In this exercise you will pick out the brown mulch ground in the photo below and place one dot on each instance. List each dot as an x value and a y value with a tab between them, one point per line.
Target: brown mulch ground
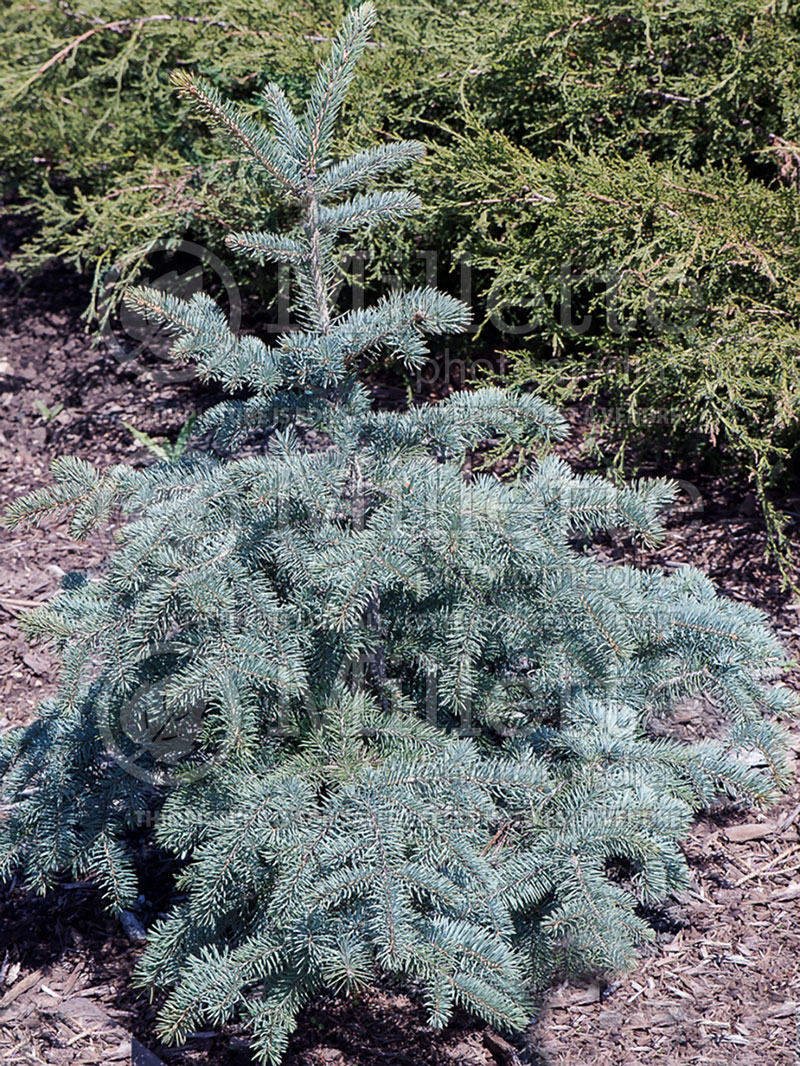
719	986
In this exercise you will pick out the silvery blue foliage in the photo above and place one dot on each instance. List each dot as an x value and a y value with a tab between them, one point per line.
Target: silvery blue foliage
393	717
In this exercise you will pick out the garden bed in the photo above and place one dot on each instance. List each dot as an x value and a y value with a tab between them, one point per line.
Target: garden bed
721	983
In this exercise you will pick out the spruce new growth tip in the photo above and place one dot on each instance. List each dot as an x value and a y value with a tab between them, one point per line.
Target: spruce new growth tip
393	717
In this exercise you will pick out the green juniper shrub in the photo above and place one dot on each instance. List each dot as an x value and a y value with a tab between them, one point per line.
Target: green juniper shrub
92	144
692	84
102	155
389	717
95	150
666	297
632	168
627	98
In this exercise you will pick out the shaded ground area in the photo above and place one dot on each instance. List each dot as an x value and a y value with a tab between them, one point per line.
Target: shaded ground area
721	983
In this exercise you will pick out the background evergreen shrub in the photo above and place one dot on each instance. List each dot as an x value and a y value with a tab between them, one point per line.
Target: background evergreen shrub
651	145
393	716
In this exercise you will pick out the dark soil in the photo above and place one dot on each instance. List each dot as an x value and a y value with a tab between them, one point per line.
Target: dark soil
721	983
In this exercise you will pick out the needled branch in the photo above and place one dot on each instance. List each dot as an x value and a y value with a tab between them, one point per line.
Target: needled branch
315	266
